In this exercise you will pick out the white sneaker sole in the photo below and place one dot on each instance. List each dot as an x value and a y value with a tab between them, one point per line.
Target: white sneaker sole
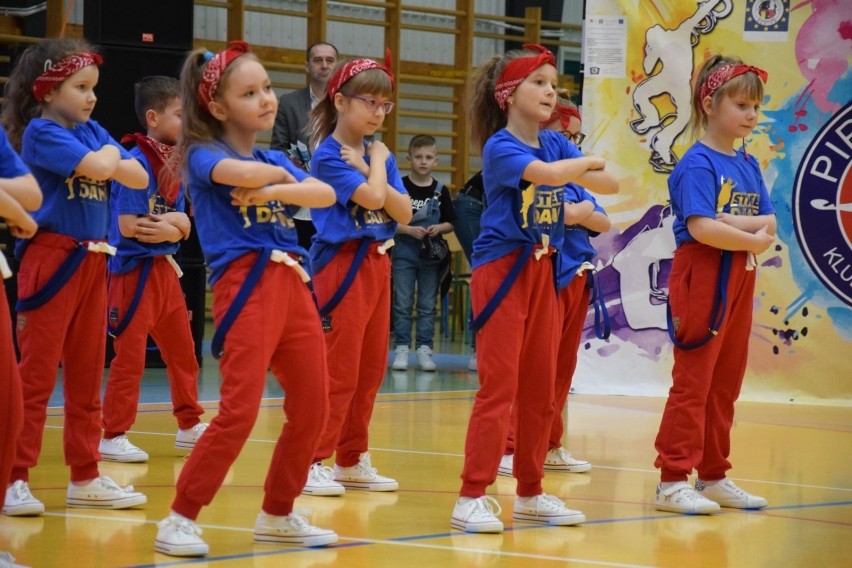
181	549
24	510
368	485
323	539
568	468
558	520
493	527
323	491
124	458
184	445
505	471
703	510
123	503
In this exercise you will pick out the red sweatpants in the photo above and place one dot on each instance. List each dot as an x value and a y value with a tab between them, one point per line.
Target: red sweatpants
695	431
69	328
357	347
162	313
277	329
516	350
572	306
11	400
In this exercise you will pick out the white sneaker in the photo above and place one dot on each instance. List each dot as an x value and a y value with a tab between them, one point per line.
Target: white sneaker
477	515
682	498
400	360
178	536
726	493
20	502
546	509
8	561
559	459
321	482
424	358
506	465
186	439
103	493
120	449
363	476
292	529
472	365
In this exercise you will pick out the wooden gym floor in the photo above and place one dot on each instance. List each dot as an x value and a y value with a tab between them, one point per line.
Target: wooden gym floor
798	457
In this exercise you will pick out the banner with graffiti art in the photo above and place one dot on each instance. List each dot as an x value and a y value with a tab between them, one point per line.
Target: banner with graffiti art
801	341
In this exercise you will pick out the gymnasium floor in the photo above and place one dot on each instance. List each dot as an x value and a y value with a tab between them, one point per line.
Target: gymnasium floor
798	457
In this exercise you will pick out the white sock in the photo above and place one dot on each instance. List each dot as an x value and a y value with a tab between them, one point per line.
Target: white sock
668	484
181	517
463	500
710	483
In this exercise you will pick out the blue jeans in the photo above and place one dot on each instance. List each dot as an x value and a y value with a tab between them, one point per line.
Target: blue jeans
467	225
409	269
467	228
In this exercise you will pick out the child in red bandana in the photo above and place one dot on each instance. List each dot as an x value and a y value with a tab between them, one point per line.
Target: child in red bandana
144	294
62	280
525	171
723	218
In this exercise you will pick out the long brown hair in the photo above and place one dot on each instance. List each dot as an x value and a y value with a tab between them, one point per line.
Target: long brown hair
323	117
747	84
486	117
21	106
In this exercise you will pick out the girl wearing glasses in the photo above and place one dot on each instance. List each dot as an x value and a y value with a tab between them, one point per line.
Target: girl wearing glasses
351	267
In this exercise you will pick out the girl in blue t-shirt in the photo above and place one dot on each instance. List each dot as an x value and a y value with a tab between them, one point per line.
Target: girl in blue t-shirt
584	218
19	193
723	217
262	308
62	279
352	268
514	302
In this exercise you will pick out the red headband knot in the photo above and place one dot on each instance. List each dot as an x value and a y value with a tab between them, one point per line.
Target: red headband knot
352	68
518	69
215	68
55	73
724	74
564	114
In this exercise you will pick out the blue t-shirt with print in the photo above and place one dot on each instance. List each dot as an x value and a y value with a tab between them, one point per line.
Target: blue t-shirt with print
72	205
518	211
226	231
127	201
706	182
577	247
346	220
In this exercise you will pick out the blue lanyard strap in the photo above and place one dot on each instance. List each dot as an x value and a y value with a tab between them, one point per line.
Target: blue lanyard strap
144	272
479	320
720	306
602	327
360	254
62	275
217	346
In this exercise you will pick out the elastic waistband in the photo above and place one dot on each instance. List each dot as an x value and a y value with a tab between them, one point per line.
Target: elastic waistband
380	247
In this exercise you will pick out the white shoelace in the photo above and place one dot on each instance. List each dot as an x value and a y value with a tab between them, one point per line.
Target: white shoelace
124	443
110	485
564	455
322	472
485	506
298	522
184	526
549	503
365	465
22	492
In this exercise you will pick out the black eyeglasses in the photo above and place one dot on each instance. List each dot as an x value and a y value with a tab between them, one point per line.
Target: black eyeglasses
373	105
577	138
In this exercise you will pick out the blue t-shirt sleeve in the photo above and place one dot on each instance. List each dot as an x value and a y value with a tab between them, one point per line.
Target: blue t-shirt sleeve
11	164
55	149
279	158
506	162
586	196
339	175
129	201
696	193
201	161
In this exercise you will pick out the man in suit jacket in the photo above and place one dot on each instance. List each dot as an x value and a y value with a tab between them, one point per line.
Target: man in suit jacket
292	118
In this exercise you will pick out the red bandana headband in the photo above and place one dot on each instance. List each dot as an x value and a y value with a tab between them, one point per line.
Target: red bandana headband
724	74
55	73
215	68
352	68
159	156
564	114
518	69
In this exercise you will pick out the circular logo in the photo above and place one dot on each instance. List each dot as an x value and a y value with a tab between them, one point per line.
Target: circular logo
767	12
822	204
